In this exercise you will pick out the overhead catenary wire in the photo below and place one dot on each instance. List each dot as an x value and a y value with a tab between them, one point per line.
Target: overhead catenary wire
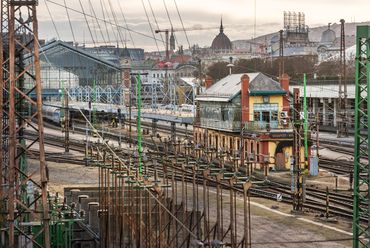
69	20
151	28
97	22
56	29
112	13
119	31
105	22
182	24
52	19
156	22
99	19
90	124
125	166
87	23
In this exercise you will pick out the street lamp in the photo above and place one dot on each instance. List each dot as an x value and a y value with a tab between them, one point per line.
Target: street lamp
230	65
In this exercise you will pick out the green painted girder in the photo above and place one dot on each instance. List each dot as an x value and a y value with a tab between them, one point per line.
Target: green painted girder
361	200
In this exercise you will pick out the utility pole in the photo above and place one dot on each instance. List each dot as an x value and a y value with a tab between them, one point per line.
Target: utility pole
317	136
87	136
281	55
119	123
95	125
139	120
63	110
296	177
342	113
66	134
305	123
138	116
197	117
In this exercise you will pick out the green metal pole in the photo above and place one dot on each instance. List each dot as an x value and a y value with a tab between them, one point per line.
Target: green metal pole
139	120
361	173
95	125
62	115
305	123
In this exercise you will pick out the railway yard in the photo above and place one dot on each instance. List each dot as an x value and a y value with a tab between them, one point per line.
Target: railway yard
267	220
260	142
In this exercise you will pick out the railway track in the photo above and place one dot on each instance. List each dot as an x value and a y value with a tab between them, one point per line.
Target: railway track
339	167
147	125
340	204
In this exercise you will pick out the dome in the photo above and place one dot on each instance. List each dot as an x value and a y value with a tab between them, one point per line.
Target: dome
328	36
221	42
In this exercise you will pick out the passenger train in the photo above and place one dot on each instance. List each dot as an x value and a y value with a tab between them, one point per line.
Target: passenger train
53	114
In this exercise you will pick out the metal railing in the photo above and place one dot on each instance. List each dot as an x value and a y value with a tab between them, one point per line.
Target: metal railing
265	126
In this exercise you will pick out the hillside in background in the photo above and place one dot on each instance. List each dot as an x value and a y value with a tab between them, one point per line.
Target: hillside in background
314	34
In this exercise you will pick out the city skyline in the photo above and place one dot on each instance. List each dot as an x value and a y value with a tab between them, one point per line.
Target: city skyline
238	18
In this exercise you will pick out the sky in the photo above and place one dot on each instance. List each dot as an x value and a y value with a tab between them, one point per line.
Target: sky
116	20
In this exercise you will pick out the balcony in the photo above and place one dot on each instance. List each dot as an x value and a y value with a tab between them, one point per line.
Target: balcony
229	126
256	126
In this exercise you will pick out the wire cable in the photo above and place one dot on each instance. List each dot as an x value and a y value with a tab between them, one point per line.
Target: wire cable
69	20
155	19
52	19
125	166
151	28
97	22
105	22
182	24
102	20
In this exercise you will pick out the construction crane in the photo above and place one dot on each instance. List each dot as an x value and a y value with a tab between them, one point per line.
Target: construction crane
166	31
262	47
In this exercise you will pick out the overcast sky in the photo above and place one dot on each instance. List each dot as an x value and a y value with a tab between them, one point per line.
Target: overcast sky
238	18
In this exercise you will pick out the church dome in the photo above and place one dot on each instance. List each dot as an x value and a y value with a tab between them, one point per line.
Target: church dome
328	36
221	43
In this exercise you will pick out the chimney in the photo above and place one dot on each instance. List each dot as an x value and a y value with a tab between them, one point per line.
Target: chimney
245	98
285	84
209	81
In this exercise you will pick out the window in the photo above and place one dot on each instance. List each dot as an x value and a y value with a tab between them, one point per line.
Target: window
224	114
266	116
154	75
236	114
274	115
257	116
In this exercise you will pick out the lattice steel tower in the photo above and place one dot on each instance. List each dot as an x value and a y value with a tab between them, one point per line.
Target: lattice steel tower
342	121
361	201
19	35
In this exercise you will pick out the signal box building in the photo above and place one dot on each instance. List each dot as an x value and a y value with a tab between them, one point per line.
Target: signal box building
248	111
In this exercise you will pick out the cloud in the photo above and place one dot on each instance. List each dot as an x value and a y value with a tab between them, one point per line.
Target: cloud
238	17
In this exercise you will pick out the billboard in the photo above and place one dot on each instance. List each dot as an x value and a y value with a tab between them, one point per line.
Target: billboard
165	64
